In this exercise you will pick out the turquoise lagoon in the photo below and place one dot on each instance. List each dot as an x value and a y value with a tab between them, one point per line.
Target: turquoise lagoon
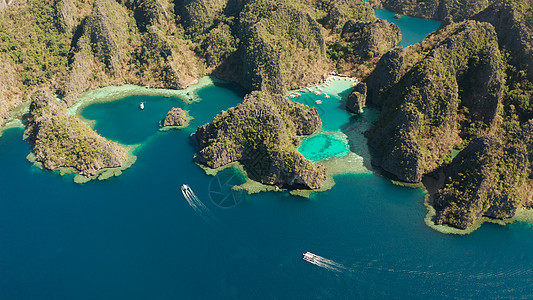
323	146
136	237
414	30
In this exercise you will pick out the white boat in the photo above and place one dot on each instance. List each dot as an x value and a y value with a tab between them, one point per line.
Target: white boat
185	187
308	256
142	105
327	96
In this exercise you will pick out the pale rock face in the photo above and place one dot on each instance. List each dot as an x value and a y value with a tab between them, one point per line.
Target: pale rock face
6	3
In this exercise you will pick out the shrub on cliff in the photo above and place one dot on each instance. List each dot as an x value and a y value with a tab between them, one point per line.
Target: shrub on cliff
59	140
261	133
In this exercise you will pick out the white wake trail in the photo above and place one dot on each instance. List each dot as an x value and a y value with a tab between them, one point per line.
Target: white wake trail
198	206
327	264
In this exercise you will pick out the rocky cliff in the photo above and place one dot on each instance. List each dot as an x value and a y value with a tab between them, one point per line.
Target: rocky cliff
357	98
5	3
419	123
59	140
460	103
261	134
338	12
457	10
362	41
175	117
71	46
358	37
488	178
285	49
513	22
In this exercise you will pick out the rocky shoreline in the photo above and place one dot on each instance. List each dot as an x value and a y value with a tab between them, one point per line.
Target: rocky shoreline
457	103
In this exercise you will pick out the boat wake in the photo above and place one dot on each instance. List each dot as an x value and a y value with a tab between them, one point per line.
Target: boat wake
197	205
324	262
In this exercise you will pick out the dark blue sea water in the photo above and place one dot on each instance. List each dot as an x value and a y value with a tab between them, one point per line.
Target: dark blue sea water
136	237
413	30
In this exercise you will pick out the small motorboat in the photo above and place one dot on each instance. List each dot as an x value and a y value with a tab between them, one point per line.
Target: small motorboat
308	256
185	187
142	105
318	101
327	96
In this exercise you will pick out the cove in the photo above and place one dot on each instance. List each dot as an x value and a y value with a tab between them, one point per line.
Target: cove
414	30
135	236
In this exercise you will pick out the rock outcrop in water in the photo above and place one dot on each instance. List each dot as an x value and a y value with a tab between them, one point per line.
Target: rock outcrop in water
456	104
59	140
357	99
261	134
175	117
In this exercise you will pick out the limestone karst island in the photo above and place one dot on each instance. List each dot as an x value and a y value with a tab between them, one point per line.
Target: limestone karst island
276	149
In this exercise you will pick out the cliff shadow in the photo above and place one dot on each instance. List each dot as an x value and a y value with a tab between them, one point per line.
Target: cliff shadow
356	130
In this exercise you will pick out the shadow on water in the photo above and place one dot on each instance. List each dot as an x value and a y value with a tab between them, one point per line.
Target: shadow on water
355	131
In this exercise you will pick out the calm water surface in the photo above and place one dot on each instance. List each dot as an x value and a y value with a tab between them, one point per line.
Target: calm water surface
413	30
136	237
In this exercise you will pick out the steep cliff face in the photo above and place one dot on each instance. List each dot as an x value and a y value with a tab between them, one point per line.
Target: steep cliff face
457	90
199	15
165	57
488	178
10	93
361	41
261	134
341	11
513	22
5	3
284	50
66	15
59	140
456	10
101	51
138	44
357	99
419	123
389	70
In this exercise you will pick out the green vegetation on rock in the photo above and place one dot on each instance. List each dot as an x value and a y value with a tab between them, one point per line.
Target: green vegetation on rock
457	10
261	133
62	141
459	103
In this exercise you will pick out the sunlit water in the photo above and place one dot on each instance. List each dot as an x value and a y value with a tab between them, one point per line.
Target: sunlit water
137	237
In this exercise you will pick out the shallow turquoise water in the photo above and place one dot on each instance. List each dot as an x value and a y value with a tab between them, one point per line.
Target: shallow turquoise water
331	110
135	236
414	30
322	146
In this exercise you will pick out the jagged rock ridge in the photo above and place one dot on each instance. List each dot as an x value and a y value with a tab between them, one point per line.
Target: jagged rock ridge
261	134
